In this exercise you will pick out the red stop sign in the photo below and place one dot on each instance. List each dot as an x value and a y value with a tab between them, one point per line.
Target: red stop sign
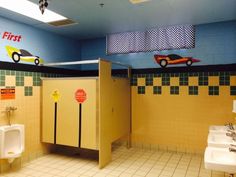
80	95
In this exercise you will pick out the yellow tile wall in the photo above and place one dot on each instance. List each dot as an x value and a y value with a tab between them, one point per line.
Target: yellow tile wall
27	113
180	122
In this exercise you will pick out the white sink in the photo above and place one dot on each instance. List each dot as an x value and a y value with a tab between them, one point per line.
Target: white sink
219	140
220	159
219	129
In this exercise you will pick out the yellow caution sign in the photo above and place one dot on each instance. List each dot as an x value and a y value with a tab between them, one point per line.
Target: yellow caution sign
55	96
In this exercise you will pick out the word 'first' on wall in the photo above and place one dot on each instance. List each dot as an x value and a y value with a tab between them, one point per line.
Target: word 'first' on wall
11	37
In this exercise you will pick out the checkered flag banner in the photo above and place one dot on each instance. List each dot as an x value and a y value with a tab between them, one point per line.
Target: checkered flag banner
43	4
156	39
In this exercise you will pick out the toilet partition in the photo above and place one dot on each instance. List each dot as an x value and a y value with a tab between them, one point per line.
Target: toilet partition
87	112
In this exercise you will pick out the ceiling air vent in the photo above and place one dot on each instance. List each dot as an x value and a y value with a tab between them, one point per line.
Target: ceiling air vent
60	23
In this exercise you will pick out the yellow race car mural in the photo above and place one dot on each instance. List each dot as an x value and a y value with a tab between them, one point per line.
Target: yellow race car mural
24	55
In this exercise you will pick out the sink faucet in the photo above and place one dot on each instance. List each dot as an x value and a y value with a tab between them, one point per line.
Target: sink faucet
230	126
232	148
232	134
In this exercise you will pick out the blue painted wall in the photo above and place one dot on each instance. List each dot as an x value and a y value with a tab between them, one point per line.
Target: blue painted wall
47	45
215	44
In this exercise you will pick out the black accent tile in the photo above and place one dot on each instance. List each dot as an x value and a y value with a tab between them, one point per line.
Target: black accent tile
141	89
213	90
174	90
232	90
193	90
157	90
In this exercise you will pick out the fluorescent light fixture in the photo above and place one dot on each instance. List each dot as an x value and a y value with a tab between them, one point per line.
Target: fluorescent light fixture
30	9
138	1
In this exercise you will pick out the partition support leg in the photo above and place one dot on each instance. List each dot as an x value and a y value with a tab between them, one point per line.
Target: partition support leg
129	141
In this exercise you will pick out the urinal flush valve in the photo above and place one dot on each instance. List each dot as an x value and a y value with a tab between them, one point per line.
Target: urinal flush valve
8	111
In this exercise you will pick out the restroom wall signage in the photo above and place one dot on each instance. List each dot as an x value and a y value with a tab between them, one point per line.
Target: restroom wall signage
7	94
11	37
55	97
80	95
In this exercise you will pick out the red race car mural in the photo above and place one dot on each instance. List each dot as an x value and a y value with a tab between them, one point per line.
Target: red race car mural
172	59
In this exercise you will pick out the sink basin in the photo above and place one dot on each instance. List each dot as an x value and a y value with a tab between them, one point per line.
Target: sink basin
219	140
219	128
220	159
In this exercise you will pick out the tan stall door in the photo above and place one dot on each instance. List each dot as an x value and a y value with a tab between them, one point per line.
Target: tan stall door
68	112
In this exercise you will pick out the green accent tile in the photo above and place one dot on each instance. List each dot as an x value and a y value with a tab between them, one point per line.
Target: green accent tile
13	73
157	90
2	83
183	80
213	90
232	90
233	73
177	74
224	79
2	80
2	77
134	81
8	72
174	90
3	72
165	79
149	80
141	89
29	91
19	81
214	74
193	90
203	80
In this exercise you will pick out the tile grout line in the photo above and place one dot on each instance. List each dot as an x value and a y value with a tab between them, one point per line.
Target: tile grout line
166	163
188	165
155	162
137	160
177	164
200	167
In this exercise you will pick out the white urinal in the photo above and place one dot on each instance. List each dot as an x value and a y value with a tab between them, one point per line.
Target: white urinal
12	141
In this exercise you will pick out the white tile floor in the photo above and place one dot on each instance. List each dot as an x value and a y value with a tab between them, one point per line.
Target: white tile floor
125	163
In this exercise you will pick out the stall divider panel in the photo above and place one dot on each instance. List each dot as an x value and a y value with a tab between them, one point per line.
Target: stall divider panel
48	113
105	113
